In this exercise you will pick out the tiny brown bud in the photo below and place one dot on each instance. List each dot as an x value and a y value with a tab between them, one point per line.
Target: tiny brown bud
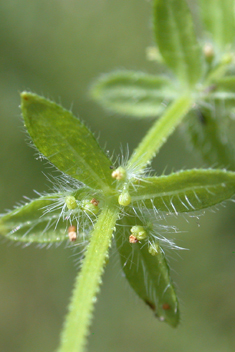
94	202
119	173
72	233
133	239
72	229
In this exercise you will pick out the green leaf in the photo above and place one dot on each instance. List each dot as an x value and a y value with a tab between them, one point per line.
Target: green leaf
44	220
176	39
219	21
185	191
29	224
148	274
65	141
208	131
134	93
223	89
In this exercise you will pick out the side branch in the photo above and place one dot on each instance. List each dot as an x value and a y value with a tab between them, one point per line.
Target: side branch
159	132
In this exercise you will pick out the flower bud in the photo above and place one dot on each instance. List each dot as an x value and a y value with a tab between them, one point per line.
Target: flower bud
71	202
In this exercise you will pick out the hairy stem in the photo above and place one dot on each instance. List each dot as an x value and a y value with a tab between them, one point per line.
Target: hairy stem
159	132
77	323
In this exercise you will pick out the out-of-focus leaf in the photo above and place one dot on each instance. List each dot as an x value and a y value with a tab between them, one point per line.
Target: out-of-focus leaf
224	89
148	274
176	39
65	141
208	131
219	20
134	93
185	191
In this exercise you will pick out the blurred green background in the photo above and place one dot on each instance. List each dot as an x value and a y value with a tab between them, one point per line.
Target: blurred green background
57	48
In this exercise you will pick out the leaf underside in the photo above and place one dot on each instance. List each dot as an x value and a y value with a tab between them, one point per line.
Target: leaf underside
209	134
148	275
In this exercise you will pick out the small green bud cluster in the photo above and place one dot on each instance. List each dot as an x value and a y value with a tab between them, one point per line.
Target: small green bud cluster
139	232
89	206
71	202
154	249
124	199
119	174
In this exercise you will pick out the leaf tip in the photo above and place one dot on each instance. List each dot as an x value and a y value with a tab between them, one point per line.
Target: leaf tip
29	98
25	96
26	99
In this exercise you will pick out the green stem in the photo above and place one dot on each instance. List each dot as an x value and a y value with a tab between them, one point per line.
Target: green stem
159	132
75	331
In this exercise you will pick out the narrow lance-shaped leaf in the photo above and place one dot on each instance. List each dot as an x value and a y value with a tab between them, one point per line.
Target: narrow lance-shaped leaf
219	20
43	220
176	39
185	191
65	141
223	89
28	223
148	274
209	134
134	93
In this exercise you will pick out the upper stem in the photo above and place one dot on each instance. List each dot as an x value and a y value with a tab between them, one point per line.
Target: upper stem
75	331
159	132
